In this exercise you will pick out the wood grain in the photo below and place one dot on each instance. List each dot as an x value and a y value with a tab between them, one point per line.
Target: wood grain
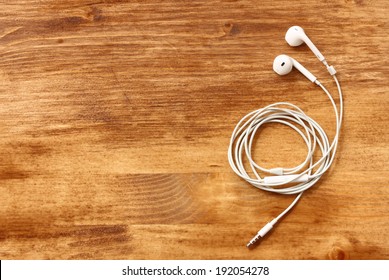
116	118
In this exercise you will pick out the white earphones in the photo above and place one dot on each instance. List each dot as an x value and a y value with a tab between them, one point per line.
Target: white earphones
284	64
295	36
287	180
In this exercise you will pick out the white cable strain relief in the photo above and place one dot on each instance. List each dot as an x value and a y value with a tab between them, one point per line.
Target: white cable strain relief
273	222
317	82
265	229
331	70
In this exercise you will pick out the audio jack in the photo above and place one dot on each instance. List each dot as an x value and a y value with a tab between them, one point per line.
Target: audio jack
262	233
254	240
271	224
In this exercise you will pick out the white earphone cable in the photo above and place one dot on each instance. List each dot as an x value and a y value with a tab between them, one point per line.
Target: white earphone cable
303	176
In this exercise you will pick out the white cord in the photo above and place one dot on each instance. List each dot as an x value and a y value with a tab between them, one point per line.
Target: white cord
304	175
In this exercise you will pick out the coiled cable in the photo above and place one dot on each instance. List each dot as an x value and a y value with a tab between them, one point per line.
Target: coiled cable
302	176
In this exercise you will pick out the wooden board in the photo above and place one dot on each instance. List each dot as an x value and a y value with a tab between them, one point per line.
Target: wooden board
116	118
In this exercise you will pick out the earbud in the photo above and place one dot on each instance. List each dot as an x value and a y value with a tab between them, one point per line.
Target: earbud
295	36
284	64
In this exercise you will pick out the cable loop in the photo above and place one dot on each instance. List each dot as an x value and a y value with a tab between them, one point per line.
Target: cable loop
304	175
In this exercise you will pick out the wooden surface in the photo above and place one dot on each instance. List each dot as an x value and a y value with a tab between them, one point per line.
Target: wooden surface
115	119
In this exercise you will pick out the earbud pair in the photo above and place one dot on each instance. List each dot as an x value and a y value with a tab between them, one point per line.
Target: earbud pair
283	64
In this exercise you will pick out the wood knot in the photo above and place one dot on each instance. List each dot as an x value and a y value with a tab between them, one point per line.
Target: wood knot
337	253
231	29
95	14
